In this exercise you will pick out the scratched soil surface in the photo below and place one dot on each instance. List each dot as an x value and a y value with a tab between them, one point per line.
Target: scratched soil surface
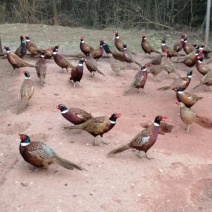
179	178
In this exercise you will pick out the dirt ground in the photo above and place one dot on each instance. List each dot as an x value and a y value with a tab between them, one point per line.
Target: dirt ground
179	178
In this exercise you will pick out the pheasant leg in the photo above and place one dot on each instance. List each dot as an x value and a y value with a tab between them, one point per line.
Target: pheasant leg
188	128
94	142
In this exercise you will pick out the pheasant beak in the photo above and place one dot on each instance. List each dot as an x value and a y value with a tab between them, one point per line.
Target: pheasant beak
118	115
164	118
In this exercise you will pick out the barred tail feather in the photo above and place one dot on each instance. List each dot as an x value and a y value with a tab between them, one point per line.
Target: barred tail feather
119	149
204	122
68	164
22	105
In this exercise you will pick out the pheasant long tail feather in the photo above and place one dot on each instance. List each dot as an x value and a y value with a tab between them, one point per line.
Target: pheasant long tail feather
157	51
100	72
137	63
196	86
204	122
29	65
130	88
119	149
79	126
22	105
68	164
164	88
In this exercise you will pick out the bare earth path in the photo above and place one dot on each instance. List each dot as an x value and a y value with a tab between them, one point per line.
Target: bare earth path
179	178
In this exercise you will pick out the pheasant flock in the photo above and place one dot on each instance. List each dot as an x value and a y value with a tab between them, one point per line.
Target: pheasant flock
40	155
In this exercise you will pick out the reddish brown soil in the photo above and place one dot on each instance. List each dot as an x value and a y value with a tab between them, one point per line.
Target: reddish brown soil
179	178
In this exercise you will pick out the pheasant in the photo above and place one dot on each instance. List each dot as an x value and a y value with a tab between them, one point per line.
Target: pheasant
21	50
91	65
85	48
188	116
60	60
189	99
146	46
74	115
32	47
26	91
179	45
98	126
206	80
15	60
144	140
118	42
139	80
40	155
77	72
41	68
182	82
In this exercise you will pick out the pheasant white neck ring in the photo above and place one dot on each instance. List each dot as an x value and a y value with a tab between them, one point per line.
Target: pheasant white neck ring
156	124
112	122
65	111
24	144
